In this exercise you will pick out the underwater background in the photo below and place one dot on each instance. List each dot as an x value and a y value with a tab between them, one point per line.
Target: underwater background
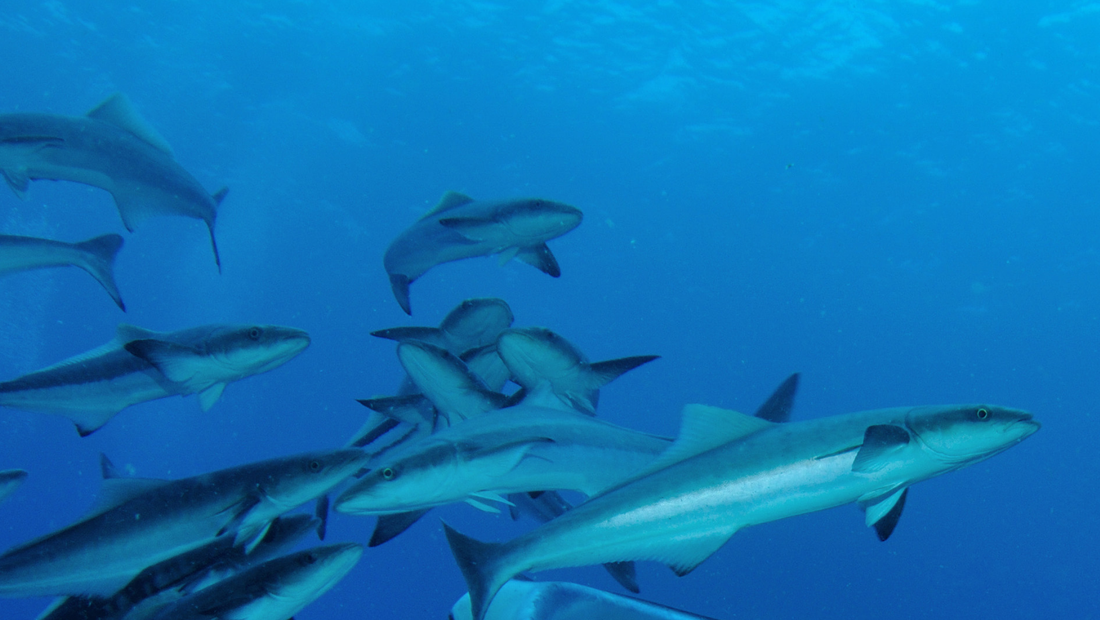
897	199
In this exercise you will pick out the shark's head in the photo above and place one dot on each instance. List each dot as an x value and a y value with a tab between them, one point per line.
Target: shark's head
308	574
294	480
415	481
537	219
476	323
965	434
536	354
252	349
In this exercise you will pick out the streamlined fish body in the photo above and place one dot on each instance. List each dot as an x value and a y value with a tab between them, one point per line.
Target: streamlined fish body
95	256
142	365
460	227
524	448
111	148
727	471
140	522
274	590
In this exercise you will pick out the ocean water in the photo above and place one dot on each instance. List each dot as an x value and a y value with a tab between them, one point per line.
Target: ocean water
897	199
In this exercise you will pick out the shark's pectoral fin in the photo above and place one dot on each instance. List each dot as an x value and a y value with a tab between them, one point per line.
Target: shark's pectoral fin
321	512
389	526
501	458
107	468
883	512
493	497
254	537
881	443
540	257
683	556
178	363
237	514
778	406
482	506
17	180
607	371
399	283
625	574
210	395
474	229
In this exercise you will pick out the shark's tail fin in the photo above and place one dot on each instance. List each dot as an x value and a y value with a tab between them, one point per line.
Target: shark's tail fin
400	282
99	261
218	197
475	560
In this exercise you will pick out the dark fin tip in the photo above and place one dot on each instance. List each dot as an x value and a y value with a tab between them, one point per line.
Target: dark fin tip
884	527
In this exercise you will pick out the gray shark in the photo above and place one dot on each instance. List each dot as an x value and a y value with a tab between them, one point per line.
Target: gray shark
519	449
472	326
728	471
558	600
141	365
539	359
274	590
169	580
111	148
10	481
139	522
461	227
96	256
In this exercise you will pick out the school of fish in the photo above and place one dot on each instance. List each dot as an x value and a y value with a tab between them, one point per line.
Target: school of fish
218	545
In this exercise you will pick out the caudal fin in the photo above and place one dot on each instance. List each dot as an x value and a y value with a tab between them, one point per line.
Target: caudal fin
475	560
99	261
218	197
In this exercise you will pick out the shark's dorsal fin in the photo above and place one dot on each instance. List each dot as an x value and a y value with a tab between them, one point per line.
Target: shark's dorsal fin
450	200
107	469
704	428
118	111
405	409
778	406
117	491
125	333
607	371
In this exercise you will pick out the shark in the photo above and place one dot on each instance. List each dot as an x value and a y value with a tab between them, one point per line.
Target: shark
10	481
539	359
95	256
727	471
472	328
274	590
112	148
460	227
140	365
559	600
137	523
173	578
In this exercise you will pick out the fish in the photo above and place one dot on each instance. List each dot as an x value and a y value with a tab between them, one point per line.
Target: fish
559	600
472	326
727	471
460	227
95	256
539	359
171	579
274	590
137	523
140	365
10	481
112	148
519	449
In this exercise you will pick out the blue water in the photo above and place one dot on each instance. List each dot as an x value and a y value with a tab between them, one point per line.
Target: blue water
899	200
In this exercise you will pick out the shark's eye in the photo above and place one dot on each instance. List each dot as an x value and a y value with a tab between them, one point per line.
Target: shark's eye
254	333
388	473
310	558
315	466
983	413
